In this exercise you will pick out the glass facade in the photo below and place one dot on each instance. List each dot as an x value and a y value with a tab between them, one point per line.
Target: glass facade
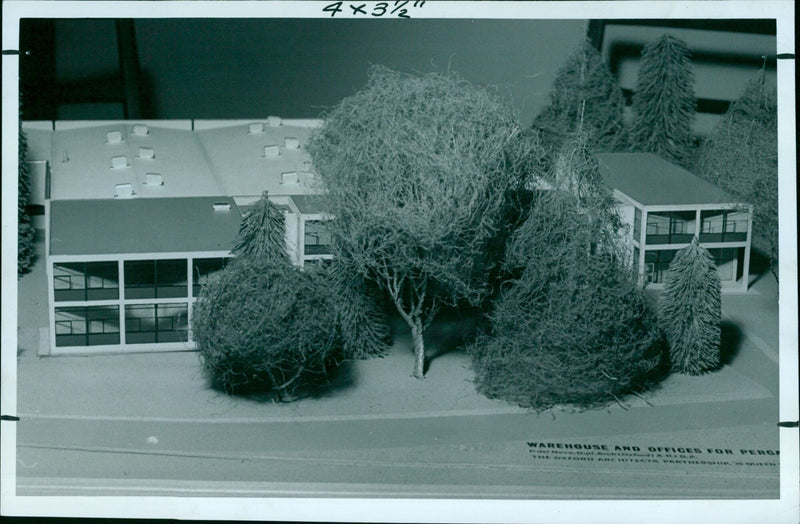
656	264
156	323
87	326
670	227
727	260
155	303
316	238
156	278
203	269
84	281
723	226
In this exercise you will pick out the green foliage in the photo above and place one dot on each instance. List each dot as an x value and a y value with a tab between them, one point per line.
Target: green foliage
265	325
584	98
570	326
262	233
690	310
664	102
415	170
741	156
25	231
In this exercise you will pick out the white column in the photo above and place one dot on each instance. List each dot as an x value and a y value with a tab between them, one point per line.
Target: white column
121	270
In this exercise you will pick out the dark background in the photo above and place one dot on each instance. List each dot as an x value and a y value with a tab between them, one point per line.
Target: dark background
88	69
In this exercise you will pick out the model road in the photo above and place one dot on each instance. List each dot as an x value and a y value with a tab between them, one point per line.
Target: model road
422	456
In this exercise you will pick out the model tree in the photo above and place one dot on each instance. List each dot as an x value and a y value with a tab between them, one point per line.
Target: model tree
25	231
264	326
664	102
360	318
415	171
741	156
570	325
262	233
690	310
584	96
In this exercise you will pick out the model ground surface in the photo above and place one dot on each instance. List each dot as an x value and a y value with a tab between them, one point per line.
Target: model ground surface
149	424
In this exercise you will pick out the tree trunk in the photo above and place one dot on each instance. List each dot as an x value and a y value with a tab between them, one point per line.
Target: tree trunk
419	348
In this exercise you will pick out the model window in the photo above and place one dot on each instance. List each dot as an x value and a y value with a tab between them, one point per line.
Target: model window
724	226
83	281
657	264
87	326
155	278
713	221
156	323
657	224
671	227
317	239
204	269
736	222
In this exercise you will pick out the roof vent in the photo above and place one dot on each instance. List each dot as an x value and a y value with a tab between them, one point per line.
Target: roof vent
119	162
256	129
291	142
123	190
114	137
274	121
289	177
222	206
141	130
154	179
147	153
271	151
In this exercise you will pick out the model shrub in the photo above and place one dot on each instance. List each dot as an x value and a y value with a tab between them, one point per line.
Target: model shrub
690	311
741	156
267	326
664	102
416	170
570	326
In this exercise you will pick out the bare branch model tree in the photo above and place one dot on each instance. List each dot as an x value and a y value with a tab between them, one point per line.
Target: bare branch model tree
586	97
741	156
664	103
690	310
414	168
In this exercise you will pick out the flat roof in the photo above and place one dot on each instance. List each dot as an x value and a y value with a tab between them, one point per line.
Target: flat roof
653	181
81	166
142	225
243	166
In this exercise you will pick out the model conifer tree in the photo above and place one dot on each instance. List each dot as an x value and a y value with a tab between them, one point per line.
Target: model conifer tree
690	310
584	96
741	156
664	102
25	229
262	233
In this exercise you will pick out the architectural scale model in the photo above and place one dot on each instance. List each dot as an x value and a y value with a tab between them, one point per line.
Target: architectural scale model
665	207
138	215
